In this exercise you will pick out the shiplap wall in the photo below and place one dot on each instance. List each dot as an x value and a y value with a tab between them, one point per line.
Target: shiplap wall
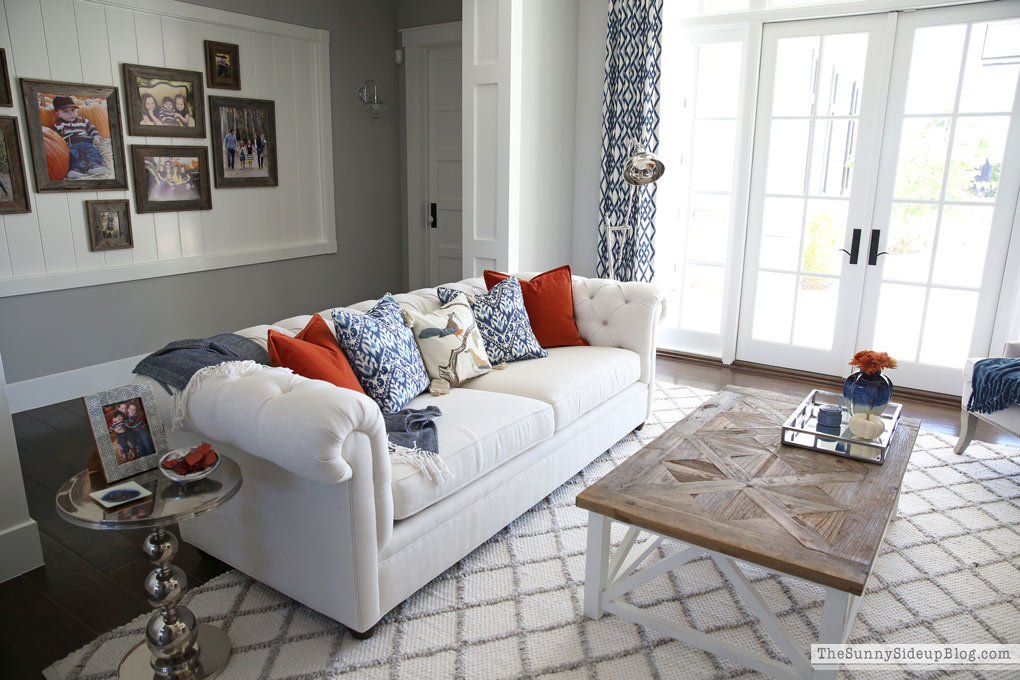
87	41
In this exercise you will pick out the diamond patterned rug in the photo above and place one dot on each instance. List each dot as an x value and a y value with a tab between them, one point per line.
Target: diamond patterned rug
512	608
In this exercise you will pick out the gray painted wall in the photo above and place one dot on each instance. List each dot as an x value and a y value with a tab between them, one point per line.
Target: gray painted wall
57	331
427	12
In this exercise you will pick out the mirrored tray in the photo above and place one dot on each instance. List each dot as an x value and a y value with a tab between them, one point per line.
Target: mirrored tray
802	430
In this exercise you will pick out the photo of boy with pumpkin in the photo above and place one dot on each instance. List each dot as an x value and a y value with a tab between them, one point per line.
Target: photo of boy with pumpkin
76	135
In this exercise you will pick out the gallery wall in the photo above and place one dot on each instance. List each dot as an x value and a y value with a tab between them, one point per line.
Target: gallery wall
50	332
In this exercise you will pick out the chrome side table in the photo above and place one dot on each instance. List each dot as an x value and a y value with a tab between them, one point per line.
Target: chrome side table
176	646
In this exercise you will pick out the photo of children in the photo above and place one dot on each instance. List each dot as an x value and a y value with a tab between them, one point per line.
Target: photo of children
13	193
5	171
173	178
129	430
82	126
244	136
109	224
222	65
166	102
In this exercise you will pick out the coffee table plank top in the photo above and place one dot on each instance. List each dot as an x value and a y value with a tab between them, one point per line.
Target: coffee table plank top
721	480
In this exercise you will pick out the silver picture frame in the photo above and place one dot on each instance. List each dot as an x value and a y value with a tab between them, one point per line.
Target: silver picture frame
114	469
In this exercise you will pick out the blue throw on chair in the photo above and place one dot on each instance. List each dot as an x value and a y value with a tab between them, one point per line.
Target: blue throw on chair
996	385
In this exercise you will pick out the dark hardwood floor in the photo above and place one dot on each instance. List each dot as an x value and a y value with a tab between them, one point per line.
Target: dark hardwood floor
92	580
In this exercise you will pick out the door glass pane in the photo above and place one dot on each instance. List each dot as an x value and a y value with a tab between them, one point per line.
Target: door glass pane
788	143
922	158
911	234
815	321
773	306
978	148
780	239
718	80
948	326
707	236
935	69
963	245
993	60
899	313
841	74
714	142
795	70
703	299
832	157
823	237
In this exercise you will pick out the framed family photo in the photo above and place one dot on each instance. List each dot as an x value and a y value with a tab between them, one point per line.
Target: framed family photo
243	142
109	224
13	184
222	65
171	178
128	430
6	95
164	102
75	135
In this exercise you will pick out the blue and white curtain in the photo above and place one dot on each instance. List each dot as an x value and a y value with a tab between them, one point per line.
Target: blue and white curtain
630	112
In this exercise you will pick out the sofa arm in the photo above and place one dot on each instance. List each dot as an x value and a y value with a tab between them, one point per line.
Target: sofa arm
1011	349
301	425
620	314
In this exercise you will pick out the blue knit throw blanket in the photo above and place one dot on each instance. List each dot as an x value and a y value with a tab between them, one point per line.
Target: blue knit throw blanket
996	384
174	365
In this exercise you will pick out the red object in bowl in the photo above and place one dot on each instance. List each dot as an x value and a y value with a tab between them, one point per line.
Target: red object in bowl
201	457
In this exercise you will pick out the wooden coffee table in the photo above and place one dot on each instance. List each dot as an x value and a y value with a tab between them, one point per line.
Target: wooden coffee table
720	482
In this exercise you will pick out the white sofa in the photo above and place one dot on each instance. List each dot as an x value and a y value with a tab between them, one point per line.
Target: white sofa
1007	419
324	517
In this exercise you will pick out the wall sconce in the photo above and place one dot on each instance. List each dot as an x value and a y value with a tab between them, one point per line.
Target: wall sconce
370	102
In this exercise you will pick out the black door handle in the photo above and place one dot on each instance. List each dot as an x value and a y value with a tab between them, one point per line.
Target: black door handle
873	248
855	247
433	222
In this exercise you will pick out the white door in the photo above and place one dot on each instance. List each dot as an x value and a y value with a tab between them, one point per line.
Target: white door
433	107
817	132
444	242
921	185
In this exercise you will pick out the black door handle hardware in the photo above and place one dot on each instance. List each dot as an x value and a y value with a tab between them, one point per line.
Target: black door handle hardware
873	248
855	247
433	222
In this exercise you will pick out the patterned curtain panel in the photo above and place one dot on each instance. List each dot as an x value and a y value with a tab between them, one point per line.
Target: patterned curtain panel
630	103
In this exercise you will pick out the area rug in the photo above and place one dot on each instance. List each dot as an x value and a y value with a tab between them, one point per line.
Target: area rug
513	608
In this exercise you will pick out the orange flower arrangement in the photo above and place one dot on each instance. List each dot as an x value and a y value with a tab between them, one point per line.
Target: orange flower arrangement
872	362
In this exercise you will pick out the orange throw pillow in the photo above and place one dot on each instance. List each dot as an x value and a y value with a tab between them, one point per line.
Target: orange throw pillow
313	353
549	300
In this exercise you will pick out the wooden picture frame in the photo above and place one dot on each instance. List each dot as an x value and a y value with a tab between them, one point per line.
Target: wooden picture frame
150	84
222	65
128	430
251	119
109	224
171	178
74	159
13	191
6	94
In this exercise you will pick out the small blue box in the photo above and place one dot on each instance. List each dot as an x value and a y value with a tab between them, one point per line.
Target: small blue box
830	415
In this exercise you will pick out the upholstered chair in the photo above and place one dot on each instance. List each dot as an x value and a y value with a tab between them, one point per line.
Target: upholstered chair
1007	419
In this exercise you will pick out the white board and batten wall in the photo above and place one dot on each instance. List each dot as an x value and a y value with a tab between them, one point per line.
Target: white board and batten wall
86	41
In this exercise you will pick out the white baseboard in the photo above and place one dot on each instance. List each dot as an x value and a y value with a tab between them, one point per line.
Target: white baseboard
50	389
20	550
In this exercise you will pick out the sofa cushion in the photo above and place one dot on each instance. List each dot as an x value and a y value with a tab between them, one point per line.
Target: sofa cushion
313	353
573	380
549	299
478	432
450	344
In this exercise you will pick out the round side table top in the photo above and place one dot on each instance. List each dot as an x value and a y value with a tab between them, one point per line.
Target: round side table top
169	503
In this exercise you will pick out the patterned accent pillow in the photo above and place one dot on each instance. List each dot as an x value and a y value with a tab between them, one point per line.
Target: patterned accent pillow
383	353
503	322
450	344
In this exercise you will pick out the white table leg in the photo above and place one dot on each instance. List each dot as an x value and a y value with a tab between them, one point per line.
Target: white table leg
836	623
596	564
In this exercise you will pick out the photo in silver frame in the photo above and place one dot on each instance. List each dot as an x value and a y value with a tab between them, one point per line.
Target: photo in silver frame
128	442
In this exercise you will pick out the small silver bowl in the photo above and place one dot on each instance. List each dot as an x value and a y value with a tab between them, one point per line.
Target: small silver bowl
180	453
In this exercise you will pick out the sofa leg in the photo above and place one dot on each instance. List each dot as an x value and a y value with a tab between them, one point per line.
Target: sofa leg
362	636
968	422
639	427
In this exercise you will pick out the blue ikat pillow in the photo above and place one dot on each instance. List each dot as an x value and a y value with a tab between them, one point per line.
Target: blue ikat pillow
383	353
503	322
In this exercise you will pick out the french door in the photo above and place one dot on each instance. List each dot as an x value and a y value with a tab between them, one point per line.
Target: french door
885	178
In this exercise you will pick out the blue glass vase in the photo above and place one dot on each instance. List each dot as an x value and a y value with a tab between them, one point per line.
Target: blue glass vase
867	392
